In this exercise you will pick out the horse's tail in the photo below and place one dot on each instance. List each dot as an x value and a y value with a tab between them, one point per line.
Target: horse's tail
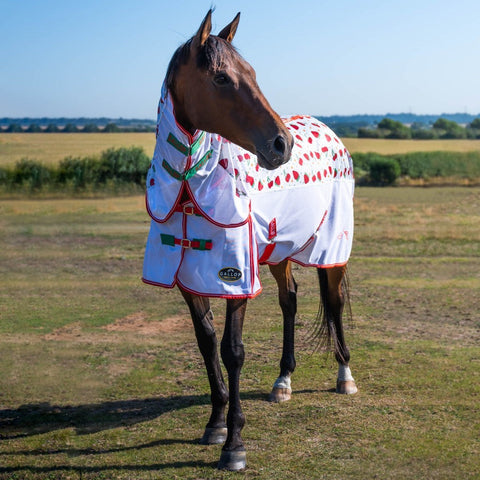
328	329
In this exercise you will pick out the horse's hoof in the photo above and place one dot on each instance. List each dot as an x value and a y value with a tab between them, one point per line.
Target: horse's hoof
280	394
214	436
233	460
346	387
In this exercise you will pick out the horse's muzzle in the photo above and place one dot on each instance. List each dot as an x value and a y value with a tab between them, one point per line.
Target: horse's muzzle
277	152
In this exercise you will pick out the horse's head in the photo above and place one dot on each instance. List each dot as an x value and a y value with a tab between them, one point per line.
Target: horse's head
214	89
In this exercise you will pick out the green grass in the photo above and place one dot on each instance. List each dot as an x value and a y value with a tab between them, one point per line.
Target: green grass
100	376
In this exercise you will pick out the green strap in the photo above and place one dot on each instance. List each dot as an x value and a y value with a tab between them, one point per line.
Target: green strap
196	243
167	239
187	151
190	172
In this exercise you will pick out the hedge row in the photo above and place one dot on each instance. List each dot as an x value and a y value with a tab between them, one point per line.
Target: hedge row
375	169
126	168
115	168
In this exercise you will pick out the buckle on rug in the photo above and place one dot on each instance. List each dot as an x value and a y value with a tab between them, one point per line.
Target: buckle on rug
188	209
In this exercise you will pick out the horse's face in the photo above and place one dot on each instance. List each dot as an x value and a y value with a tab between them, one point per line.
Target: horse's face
215	90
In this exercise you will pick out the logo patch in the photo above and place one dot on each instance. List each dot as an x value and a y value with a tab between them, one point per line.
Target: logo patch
230	274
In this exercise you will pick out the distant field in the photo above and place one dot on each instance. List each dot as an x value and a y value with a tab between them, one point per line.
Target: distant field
53	147
387	147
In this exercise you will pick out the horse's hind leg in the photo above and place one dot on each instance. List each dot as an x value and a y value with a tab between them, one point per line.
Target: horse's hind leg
287	295
202	316
334	290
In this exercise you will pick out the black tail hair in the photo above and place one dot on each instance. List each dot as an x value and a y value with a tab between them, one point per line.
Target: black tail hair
327	329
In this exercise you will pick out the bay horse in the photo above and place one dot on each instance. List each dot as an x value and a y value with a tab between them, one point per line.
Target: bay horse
231	186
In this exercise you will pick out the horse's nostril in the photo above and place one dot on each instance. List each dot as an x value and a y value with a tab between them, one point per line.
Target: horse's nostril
280	145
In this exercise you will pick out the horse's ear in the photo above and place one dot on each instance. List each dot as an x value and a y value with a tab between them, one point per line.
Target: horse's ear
204	31
229	31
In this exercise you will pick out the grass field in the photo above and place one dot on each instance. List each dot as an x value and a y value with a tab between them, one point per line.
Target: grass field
100	376
53	147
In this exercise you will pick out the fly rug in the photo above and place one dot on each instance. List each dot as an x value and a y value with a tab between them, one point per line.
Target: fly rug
239	215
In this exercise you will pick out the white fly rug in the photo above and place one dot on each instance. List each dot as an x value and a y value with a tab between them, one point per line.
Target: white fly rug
239	215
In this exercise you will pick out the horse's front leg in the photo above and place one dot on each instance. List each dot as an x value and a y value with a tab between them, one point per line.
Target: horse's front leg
287	295
233	453
202	316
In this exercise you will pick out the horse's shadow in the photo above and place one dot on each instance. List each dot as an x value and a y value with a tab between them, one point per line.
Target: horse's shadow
39	418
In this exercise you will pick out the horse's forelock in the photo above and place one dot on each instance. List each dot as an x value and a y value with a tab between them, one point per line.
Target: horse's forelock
213	56
216	54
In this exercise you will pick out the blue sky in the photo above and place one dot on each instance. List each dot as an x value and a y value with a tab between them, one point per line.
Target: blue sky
108	57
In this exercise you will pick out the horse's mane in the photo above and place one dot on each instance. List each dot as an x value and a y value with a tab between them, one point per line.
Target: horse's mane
214	55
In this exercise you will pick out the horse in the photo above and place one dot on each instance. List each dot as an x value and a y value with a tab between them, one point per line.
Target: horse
233	185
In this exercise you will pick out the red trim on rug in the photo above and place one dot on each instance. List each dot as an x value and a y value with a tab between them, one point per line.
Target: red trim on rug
170	213
222	225
267	253
213	295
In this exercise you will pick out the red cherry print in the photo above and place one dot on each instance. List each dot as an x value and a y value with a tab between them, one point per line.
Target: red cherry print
270	184
287	178
240	158
330	170
296	127
341	153
317	155
325	173
311	154
295	175
260	186
328	138
335	173
319	175
335	156
249	180
310	140
306	179
315	134
236	173
224	163
247	156
300	161
314	178
277	180
306	156
257	167
324	149
298	137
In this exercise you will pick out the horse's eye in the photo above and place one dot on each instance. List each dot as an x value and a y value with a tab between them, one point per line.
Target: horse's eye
221	79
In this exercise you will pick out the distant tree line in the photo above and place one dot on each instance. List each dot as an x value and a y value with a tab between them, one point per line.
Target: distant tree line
362	126
441	129
74	128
